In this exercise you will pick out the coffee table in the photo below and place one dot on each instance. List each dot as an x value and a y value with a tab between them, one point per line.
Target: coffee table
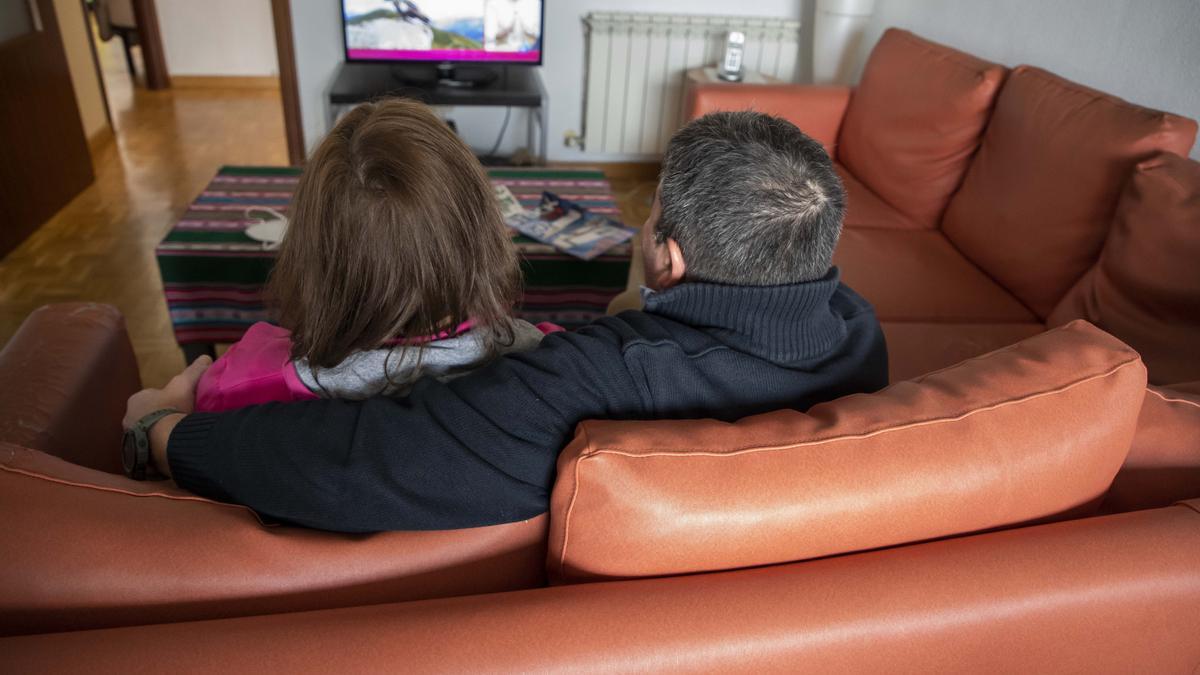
213	274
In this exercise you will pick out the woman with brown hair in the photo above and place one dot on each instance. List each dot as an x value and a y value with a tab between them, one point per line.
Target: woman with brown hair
396	264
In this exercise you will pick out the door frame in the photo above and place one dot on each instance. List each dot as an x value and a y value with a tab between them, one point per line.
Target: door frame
154	57
289	84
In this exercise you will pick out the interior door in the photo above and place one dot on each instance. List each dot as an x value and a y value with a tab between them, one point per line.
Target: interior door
44	160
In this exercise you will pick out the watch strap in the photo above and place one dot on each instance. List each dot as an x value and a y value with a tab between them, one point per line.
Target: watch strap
143	469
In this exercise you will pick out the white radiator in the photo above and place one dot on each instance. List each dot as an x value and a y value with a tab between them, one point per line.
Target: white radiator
636	66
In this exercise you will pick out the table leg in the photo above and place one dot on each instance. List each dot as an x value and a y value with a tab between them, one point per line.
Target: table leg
194	350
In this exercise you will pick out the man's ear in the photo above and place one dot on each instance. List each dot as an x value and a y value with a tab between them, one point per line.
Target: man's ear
676	265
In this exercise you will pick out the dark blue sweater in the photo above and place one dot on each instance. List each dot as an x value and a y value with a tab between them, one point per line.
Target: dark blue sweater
481	449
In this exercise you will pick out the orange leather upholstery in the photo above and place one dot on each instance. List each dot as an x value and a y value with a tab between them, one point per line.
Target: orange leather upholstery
1146	287
915	120
98	550
865	209
917	275
918	348
1023	433
816	110
1116	594
1036	205
67	373
1033	431
1163	465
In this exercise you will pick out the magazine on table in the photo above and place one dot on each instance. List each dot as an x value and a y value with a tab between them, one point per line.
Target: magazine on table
564	225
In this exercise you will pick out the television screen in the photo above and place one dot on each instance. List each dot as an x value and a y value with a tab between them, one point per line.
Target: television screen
503	31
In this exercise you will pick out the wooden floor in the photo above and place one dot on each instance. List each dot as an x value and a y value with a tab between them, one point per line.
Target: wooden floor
100	247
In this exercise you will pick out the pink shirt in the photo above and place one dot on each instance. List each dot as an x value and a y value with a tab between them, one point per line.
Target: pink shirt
259	369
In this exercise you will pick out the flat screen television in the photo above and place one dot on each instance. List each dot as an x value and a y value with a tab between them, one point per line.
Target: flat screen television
444	31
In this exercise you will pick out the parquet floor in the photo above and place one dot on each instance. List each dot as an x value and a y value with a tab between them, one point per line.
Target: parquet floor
100	247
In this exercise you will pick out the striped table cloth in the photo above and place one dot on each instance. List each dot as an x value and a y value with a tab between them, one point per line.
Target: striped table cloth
213	274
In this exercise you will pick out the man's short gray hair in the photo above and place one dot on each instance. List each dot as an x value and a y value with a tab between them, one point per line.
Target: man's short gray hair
751	200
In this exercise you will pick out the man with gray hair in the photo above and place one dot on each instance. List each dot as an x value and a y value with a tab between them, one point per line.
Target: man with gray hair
743	314
751	200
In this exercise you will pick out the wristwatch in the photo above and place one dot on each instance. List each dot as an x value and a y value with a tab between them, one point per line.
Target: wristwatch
135	450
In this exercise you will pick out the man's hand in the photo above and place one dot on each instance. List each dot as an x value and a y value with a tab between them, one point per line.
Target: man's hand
180	393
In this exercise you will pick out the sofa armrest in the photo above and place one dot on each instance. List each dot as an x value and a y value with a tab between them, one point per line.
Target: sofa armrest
85	549
67	374
817	110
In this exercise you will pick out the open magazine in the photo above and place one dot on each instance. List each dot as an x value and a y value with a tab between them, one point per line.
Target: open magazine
563	224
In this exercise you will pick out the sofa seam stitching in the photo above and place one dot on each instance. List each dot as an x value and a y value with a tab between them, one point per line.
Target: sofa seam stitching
877	432
1173	400
128	493
562	560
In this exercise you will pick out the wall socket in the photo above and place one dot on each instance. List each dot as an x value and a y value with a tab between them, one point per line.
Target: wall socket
572	139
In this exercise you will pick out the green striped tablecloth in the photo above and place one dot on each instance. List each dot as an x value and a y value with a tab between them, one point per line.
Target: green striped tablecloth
213	273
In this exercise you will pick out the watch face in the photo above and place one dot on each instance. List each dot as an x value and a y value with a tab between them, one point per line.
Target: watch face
129	453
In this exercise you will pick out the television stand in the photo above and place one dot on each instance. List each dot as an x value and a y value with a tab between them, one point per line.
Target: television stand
508	86
452	75
445	74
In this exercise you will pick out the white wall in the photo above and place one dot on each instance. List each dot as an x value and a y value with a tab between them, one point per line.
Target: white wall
318	28
220	37
317	34
1145	51
84	77
563	73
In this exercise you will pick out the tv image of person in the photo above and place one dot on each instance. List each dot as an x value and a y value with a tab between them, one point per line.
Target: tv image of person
512	25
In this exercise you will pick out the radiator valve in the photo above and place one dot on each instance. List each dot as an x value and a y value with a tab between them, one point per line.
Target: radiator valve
572	139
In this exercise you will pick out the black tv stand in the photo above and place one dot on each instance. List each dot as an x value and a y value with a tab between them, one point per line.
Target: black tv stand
490	85
446	75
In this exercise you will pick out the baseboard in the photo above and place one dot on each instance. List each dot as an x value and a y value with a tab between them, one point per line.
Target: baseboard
225	81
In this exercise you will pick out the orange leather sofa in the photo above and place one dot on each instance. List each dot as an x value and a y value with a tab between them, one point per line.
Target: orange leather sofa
1035	508
985	204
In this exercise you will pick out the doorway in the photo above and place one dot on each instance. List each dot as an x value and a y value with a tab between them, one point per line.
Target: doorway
221	44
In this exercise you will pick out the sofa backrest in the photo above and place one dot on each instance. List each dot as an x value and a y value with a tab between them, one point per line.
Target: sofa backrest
915	120
98	550
1026	432
1145	289
1037	201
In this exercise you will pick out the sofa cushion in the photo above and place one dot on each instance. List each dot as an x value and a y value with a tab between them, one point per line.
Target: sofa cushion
1036	205
1026	432
1146	287
865	209
914	122
918	348
917	275
99	550
1163	465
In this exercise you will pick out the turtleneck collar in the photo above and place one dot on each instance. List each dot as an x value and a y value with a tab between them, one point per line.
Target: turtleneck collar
782	324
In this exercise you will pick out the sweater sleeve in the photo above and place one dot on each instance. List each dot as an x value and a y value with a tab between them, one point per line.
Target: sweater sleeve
479	450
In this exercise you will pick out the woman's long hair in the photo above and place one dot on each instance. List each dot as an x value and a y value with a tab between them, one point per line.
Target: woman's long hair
394	232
